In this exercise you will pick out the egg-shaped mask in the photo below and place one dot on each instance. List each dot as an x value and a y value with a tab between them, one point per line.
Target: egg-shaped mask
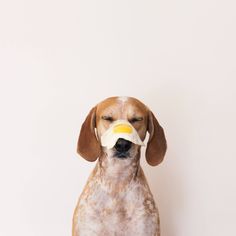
120	129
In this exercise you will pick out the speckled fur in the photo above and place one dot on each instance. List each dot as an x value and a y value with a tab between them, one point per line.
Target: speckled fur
116	200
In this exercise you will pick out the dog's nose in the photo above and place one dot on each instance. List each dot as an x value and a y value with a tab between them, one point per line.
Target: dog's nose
122	145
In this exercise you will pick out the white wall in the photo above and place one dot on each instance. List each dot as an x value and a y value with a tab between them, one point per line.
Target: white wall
59	58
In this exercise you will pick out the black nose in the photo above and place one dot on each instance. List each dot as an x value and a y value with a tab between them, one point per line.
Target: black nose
122	145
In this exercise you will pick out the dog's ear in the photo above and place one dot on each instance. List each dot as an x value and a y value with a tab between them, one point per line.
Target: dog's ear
88	145
156	146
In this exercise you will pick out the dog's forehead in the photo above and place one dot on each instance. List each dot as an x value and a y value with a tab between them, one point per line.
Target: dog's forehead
113	104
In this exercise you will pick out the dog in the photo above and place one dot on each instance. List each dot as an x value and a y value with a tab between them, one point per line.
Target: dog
117	200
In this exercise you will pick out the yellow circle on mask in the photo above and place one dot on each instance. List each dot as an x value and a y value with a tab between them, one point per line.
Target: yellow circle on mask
122	129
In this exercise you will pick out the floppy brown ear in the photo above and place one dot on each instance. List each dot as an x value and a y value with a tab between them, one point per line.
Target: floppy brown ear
88	146
156	146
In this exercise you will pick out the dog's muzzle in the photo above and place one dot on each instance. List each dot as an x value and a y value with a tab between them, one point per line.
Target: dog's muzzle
122	148
120	135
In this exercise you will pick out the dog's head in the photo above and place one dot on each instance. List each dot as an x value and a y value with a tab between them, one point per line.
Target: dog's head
117	126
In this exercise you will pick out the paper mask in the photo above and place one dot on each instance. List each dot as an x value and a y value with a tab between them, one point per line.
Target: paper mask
120	129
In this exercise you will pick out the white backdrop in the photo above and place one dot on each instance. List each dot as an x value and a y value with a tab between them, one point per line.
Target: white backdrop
59	58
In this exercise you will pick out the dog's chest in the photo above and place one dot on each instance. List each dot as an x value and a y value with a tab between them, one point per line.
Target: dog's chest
131	211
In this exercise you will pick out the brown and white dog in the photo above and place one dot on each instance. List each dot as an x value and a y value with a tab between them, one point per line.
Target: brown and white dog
116	200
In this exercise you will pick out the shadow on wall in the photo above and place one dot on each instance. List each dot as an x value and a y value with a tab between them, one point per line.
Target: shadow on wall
167	188
167	179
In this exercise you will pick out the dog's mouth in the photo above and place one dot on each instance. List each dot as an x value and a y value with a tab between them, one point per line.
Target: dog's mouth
121	155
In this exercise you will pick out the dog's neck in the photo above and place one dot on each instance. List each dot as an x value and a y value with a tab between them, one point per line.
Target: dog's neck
117	174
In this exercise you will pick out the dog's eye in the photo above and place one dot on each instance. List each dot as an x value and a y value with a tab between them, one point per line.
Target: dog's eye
107	118
136	119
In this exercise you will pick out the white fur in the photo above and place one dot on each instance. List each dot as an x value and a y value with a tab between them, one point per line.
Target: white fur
123	98
117	201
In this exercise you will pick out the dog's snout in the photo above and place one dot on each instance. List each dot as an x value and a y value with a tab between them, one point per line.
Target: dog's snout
122	145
